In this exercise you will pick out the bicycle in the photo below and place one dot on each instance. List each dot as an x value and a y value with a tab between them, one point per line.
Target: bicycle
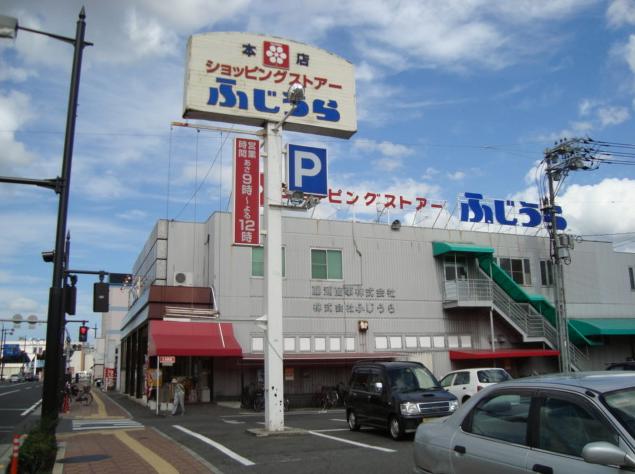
329	398
85	397
259	402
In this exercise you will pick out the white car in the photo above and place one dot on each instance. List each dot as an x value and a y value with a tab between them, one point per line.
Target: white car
15	378
465	383
578	423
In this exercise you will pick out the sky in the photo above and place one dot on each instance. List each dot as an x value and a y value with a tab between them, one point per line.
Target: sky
452	97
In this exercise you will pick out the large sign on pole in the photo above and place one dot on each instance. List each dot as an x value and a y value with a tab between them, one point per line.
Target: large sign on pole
246	215
244	78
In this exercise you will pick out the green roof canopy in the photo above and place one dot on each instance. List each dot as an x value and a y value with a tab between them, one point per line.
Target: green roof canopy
441	248
605	326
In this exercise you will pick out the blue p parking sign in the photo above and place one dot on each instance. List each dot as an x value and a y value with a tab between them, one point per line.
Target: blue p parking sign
306	170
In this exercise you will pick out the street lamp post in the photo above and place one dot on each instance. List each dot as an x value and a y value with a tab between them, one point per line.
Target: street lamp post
61	185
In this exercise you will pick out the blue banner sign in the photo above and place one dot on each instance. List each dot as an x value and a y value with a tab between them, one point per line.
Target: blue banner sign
11	350
505	212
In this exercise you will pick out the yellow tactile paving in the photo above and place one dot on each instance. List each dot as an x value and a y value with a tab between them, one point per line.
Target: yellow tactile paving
151	457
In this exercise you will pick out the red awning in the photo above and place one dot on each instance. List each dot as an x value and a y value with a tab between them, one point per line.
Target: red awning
503	354
192	339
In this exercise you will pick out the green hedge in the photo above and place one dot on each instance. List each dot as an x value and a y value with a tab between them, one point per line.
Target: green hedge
39	449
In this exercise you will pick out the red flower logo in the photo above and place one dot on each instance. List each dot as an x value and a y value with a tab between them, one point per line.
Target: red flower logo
276	54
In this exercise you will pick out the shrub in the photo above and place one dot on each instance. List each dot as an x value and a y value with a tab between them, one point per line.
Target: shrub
38	452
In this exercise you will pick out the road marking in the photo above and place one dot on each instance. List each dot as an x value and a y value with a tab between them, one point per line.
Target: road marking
31	408
234	422
354	443
7	393
338	419
101	407
220	447
332	429
84	425
151	457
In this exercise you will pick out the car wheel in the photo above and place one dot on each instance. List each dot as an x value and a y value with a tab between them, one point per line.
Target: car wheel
465	399
395	428
353	424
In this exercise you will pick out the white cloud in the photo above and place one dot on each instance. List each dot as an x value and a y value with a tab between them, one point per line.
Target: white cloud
15	111
621	12
148	36
385	148
585	106
456	176
612	115
388	164
600	208
133	215
15	74
629	52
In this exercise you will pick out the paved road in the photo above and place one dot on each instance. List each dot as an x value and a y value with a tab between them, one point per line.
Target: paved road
18	402
219	435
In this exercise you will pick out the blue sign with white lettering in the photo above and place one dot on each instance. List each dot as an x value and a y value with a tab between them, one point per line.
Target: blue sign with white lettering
505	213
306	170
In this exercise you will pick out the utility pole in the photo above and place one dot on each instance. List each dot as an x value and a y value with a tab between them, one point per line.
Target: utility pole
567	155
553	174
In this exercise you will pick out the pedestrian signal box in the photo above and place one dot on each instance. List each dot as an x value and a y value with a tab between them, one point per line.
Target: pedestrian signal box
83	333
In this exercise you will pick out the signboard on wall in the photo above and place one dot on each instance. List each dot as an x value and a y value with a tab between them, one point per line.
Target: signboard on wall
11	350
246	212
244	78
474	208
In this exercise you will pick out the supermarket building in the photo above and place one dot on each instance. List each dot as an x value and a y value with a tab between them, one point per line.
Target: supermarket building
353	291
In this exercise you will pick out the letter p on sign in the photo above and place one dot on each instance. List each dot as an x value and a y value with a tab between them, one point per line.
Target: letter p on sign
306	170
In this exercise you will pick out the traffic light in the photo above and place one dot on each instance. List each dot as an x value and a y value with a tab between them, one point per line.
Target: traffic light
100	297
70	299
83	333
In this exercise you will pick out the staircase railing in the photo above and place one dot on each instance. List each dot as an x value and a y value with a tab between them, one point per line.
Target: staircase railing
468	290
524	316
531	323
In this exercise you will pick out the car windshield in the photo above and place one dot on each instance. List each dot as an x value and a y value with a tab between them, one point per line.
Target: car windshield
410	379
622	404
493	376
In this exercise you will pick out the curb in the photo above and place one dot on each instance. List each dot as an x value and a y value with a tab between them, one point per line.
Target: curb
58	468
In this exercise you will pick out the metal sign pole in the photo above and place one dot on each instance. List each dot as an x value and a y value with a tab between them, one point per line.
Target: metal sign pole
158	382
274	384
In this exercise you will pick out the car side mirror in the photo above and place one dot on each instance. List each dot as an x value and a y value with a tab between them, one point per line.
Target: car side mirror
378	387
603	453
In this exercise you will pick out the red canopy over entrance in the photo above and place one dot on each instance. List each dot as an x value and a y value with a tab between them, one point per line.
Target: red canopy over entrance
503	354
177	338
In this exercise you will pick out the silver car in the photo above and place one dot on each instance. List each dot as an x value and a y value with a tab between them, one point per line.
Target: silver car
563	423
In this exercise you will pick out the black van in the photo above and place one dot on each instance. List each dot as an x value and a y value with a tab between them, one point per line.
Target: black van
396	396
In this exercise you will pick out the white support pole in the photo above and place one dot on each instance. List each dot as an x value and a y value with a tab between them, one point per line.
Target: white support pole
158	383
274	383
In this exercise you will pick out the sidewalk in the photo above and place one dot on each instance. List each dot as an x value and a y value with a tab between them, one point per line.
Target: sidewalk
102	438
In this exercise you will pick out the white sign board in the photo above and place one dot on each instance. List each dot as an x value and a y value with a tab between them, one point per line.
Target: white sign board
244	78
167	360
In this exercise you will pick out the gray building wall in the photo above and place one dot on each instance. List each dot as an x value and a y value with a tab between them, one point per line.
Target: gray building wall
394	269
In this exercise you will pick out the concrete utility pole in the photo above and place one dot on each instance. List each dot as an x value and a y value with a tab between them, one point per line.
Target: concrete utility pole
567	155
551	156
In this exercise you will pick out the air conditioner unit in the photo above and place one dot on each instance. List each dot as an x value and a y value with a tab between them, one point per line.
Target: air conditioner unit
183	279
